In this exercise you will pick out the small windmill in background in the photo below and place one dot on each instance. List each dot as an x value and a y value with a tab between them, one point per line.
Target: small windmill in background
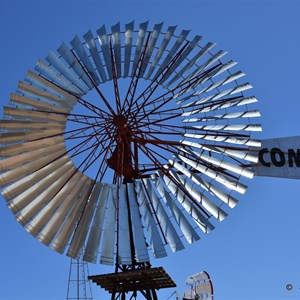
200	287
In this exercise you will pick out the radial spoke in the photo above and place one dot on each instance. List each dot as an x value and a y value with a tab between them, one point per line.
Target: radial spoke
163	119
86	121
165	148
95	86
162	132
91	162
155	83
97	110
81	145
173	93
166	111
75	133
158	142
85	103
88	158
69	114
179	89
172	128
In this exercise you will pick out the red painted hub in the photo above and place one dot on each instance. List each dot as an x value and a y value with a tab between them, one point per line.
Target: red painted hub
121	160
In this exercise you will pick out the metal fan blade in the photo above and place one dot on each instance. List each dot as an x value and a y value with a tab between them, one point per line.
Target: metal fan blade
192	62
242	114
167	227
211	188
161	50
40	220
92	46
226	181
35	190
13	137
224	139
56	78
141	252
39	105
16	149
93	243
226	104
53	225
221	163
172	51
83	224
26	182
84	59
128	47
14	125
189	232
27	168
108	245
58	64
139	45
182	57
74	64
191	209
25	114
20	159
156	242
124	254
209	62
40	82
208	205
32	92
37	203
62	238
152	42
116	41
223	150
103	40
216	96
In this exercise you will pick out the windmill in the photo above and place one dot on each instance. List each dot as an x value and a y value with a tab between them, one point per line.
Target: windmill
125	144
200	287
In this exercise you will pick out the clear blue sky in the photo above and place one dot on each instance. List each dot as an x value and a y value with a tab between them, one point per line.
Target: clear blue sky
251	255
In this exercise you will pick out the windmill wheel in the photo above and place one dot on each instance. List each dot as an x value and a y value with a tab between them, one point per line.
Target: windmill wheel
127	141
201	287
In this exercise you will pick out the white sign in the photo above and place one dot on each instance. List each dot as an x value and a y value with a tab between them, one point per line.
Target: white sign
279	157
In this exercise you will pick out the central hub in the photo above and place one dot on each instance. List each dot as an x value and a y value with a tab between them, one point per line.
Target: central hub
121	158
119	121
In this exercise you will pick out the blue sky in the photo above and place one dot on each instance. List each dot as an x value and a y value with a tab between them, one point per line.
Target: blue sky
254	253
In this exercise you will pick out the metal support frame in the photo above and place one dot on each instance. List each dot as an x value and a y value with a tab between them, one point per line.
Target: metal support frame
148	293
79	287
130	283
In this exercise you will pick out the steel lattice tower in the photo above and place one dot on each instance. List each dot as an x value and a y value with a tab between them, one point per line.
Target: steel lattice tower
79	287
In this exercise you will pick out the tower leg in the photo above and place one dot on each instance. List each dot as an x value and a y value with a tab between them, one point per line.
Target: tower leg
79	288
154	295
